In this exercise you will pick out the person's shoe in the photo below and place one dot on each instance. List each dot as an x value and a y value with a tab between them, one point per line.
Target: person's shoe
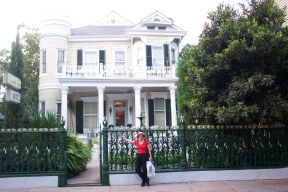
148	182
143	184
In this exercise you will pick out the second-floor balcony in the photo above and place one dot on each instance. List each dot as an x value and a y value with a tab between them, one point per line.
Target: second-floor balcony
100	71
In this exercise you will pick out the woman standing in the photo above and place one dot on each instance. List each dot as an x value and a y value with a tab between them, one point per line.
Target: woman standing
142	145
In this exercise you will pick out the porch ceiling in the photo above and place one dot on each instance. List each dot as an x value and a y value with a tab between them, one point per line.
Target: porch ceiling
115	90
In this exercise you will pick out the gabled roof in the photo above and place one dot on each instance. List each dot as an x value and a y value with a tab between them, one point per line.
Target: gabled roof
114	24
100	31
113	19
157	19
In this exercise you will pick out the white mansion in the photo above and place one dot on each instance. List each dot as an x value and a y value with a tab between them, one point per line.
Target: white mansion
112	69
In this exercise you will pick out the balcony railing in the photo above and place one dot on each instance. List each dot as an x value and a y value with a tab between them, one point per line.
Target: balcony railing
100	71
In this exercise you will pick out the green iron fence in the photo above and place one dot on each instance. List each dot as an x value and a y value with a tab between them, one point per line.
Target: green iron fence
33	152
200	148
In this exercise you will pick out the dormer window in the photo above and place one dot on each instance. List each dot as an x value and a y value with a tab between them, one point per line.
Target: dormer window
162	28
151	27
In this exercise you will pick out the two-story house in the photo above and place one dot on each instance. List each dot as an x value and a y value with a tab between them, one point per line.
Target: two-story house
112	69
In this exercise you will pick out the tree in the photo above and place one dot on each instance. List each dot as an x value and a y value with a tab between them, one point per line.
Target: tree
30	72
237	72
15	67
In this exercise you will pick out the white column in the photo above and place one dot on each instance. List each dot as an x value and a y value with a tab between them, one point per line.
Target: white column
137	105
100	105
64	94
173	105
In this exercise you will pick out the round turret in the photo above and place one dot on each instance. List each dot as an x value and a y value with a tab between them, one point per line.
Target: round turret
55	25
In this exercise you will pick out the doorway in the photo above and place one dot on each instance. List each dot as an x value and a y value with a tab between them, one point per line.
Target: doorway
120	113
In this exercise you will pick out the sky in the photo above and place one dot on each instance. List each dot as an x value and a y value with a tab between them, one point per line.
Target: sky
187	14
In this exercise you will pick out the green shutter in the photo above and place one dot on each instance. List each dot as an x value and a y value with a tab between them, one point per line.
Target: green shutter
148	56
79	57
168	112
151	111
79	116
102	56
166	55
104	108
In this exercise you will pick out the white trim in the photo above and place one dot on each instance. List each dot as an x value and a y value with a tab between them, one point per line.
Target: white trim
159	95
162	54
49	86
65	59
41	61
114	50
99	38
53	36
89	51
188	176
89	99
76	82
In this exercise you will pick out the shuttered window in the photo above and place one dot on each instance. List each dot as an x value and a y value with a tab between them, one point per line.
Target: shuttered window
159	112
148	56
79	116
102	56
168	112
79	57
166	55
151	111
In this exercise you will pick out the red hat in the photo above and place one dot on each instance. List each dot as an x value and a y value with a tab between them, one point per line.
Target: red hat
141	133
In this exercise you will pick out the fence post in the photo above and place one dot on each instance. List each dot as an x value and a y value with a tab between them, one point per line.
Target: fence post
105	156
182	139
62	179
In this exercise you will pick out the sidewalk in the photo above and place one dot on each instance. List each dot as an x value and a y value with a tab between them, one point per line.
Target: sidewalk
221	186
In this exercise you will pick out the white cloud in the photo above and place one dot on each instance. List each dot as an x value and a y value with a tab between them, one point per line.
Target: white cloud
189	15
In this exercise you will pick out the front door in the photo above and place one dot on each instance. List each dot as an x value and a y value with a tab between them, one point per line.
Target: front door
120	108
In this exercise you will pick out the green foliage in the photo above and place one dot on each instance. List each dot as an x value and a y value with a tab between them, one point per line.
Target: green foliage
12	111
29	100
38	121
78	155
238	70
23	62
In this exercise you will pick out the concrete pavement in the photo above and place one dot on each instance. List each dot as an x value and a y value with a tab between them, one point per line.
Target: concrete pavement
218	186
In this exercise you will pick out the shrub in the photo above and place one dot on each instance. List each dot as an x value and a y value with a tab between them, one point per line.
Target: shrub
78	155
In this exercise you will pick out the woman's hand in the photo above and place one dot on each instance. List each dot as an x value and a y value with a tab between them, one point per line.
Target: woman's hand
150	158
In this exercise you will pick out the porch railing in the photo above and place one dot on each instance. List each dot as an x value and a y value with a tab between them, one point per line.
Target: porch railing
100	71
201	148
33	152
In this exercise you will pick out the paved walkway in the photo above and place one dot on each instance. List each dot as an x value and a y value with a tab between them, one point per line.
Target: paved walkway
91	174
221	186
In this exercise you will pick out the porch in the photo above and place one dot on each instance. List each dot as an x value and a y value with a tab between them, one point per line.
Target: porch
119	104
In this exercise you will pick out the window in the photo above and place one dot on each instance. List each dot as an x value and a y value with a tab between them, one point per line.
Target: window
42	108
173	56
139	55
159	112
162	28
90	116
151	27
43	62
58	110
157	56
90	58
60	60
120	57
